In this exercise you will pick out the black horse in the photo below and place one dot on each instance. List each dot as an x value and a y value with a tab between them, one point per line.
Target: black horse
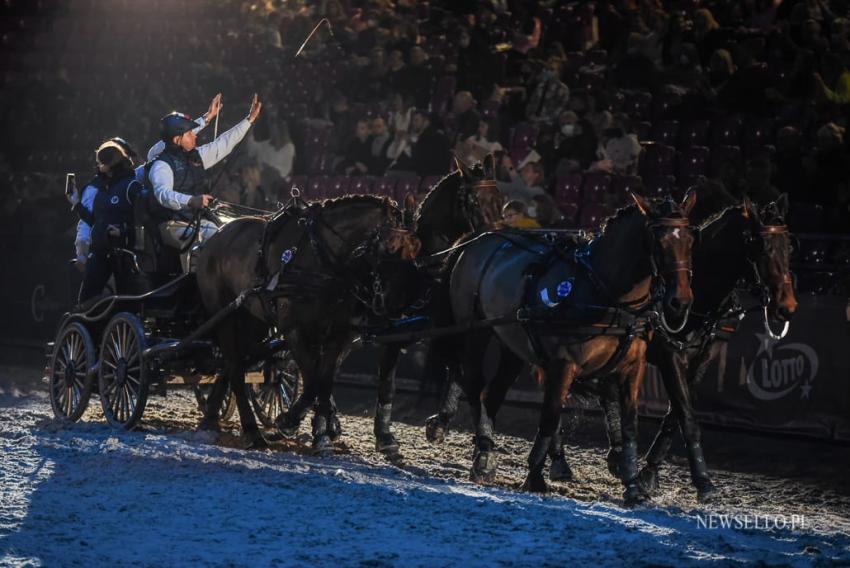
311	274
741	243
466	201
578	313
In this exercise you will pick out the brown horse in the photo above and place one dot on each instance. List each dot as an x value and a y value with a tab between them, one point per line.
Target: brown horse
579	314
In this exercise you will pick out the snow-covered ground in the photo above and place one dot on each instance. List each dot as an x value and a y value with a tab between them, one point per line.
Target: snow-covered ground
87	495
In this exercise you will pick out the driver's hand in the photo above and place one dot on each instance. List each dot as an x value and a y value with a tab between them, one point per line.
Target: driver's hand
215	108
80	265
200	201
256	107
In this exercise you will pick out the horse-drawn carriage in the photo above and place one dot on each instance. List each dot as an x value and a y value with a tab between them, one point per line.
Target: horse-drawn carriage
148	337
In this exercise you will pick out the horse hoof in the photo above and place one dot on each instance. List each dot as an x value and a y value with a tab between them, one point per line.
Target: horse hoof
323	446
256	442
484	467
435	430
386	443
613	459
635	495
560	470
648	479
285	427
534	483
706	491
335	428
207	425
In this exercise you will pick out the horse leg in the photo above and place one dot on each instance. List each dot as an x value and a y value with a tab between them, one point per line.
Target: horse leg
484	459
659	450
629	385
609	400
306	359
559	377
385	442
210	421
325	421
680	399
234	372
442	358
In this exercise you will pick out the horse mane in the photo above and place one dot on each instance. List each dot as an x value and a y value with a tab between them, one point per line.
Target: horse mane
616	216
429	199
713	218
357	199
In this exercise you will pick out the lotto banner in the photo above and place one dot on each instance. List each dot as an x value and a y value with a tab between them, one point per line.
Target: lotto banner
800	384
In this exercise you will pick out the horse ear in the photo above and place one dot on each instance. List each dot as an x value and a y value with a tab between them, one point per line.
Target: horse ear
688	202
461	167
782	205
750	210
641	202
410	202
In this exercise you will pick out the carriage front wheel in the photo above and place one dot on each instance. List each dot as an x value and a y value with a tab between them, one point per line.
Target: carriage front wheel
280	387
71	372
123	376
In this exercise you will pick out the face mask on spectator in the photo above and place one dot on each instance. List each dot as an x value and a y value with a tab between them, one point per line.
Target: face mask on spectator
569	130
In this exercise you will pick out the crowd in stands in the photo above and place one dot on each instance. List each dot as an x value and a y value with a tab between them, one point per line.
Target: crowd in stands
579	101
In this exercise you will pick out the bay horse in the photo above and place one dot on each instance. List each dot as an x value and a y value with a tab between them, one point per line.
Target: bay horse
315	270
583	299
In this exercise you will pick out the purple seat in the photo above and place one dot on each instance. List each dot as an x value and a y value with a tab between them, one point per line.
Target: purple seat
592	214
568	191
723	157
657	160
385	186
665	132
361	184
405	185
758	132
726	131
428	183
569	211
338	186
318	187
663	104
595	188
622	186
694	133
643	129
638	105
490	109
524	136
659	186
692	164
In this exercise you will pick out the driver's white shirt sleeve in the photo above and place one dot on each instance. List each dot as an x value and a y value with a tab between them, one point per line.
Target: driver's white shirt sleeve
218	149
157	148
162	180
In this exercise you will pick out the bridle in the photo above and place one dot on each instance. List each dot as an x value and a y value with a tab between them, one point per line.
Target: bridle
764	289
470	204
665	267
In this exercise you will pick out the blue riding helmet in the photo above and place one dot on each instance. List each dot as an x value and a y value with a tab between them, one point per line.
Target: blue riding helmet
175	124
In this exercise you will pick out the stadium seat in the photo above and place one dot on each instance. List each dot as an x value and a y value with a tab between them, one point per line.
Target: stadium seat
338	186
694	133
657	160
592	214
405	185
723	157
595	187
692	164
385	186
665	132
659	186
568	190
726	131
361	184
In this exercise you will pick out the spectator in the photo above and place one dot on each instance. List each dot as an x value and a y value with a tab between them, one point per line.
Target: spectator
549	97
571	148
515	215
523	185
274	155
481	144
619	150
358	154
466	118
424	151
416	79
381	140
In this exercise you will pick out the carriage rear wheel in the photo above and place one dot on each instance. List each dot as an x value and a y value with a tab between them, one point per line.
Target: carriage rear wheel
280	387
123	377
71	376
228	405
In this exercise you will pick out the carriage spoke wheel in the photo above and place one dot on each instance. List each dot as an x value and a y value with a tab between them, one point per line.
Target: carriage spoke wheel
123	376
228	405
71	378
280	388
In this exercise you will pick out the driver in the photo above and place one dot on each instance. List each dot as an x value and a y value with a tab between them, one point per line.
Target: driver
178	176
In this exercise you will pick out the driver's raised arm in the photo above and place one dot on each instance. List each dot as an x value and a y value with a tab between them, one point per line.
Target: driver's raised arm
218	149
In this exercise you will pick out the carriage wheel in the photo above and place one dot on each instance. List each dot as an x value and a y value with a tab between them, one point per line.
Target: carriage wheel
71	379
123	377
280	388
228	405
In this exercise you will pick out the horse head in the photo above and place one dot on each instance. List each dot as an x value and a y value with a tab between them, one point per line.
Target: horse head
672	238
479	195
769	252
